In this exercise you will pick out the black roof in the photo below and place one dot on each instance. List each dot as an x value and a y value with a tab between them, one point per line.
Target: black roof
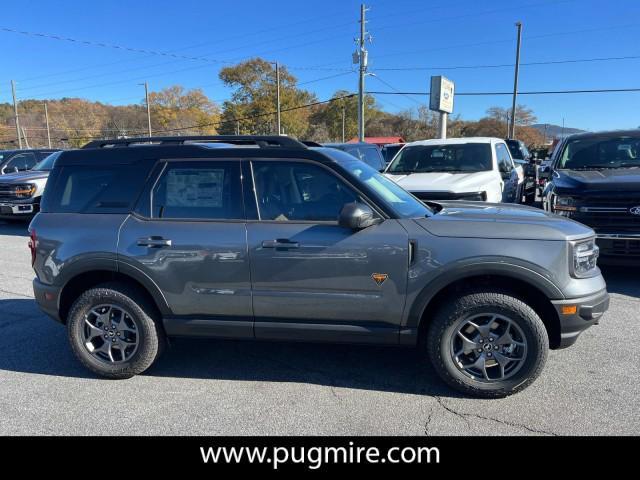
15	150
128	151
261	141
606	134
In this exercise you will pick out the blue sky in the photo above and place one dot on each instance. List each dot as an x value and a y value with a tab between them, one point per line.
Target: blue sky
315	39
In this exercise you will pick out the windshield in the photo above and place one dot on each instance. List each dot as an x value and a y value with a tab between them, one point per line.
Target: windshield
401	201
600	153
46	164
455	158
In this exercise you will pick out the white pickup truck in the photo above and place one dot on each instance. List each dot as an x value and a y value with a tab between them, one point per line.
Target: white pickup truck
473	169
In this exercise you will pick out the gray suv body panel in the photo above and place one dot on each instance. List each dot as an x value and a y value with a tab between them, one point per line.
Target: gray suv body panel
326	277
203	275
305	280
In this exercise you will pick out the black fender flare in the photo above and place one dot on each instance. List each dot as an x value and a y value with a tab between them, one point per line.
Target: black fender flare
111	264
510	268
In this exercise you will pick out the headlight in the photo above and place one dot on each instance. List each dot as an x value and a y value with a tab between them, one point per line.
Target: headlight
566	204
25	191
584	258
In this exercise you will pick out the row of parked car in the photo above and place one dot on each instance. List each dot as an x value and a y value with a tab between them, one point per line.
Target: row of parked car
591	177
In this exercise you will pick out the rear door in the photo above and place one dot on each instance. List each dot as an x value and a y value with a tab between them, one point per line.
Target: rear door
312	279
189	238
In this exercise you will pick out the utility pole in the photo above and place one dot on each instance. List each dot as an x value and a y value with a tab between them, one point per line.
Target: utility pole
238	127
512	126
46	118
343	120
362	60
278	98
146	99
24	135
15	110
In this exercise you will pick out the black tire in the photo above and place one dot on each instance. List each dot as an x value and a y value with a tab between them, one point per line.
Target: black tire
530	198
151	339
478	302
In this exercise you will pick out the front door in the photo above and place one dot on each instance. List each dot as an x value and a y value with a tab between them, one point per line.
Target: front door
191	242
508	173
312	279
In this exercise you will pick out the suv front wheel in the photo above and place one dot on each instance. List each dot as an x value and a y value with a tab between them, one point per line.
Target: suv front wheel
487	343
112	331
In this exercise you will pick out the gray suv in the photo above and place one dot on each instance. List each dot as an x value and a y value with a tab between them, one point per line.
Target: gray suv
263	238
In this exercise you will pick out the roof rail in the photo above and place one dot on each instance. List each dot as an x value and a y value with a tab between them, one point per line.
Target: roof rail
262	141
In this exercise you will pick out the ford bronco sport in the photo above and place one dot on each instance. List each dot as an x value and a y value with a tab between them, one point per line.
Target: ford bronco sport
139	240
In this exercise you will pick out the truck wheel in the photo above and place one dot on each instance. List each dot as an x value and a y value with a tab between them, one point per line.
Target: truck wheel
487	343
113	332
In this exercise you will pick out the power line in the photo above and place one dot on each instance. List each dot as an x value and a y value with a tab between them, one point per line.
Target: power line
251	117
211	124
394	88
510	65
543	92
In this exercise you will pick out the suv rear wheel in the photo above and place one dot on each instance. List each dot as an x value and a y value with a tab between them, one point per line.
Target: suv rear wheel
487	343
113	332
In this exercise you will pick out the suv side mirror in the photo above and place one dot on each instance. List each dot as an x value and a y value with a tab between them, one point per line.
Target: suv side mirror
357	216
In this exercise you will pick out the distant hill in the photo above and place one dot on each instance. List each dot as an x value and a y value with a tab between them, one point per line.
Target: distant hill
555	130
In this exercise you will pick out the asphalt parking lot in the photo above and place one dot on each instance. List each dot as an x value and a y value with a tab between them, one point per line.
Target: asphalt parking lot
226	387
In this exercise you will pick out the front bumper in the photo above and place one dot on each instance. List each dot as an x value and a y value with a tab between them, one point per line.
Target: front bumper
621	248
588	311
47	298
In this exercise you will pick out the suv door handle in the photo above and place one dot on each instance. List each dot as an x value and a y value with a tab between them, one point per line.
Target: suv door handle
280	243
154	242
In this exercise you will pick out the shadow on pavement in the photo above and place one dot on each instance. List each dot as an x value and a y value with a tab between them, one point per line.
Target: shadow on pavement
32	343
621	280
16	229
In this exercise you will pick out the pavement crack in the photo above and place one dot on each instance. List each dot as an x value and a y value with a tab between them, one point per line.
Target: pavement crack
427	424
466	417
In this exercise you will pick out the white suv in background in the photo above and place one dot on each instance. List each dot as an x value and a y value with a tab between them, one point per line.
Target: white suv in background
474	168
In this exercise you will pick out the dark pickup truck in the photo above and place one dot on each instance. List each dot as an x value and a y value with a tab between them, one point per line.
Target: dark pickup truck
594	178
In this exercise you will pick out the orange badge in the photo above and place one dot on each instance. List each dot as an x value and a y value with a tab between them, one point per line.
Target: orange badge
379	278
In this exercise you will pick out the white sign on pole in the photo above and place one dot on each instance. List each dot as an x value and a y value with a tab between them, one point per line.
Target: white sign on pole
441	94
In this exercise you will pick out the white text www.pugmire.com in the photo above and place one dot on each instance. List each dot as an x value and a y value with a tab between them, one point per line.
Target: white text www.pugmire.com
315	457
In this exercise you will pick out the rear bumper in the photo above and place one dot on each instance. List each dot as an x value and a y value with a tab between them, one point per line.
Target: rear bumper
47	298
588	312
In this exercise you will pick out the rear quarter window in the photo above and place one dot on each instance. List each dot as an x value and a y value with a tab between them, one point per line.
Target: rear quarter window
95	189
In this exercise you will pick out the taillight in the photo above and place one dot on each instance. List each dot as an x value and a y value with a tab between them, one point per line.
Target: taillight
33	240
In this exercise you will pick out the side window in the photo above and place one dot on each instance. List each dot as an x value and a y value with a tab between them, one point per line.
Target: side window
199	190
505	164
290	191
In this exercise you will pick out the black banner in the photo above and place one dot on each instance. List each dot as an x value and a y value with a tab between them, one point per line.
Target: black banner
495	456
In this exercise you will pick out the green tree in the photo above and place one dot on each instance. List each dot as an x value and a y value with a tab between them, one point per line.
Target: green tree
252	106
